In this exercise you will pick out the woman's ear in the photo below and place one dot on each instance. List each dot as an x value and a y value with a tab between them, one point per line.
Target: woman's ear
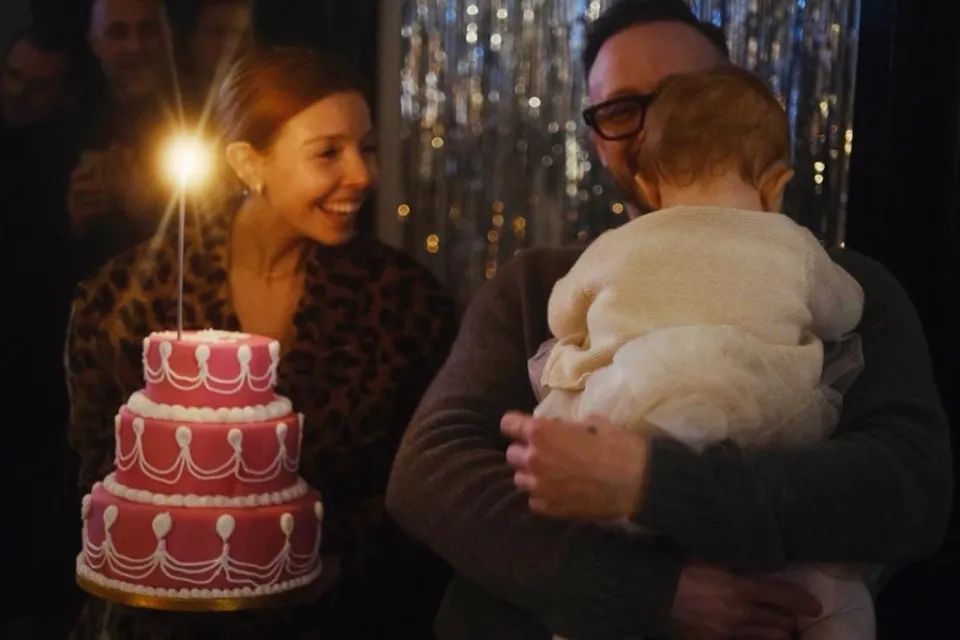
649	191
247	163
773	183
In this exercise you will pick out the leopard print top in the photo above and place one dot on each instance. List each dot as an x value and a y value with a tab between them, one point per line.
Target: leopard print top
370	331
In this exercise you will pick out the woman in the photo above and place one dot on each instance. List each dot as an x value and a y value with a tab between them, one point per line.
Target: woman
362	328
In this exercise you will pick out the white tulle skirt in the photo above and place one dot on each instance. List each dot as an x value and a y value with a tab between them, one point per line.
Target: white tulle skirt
705	383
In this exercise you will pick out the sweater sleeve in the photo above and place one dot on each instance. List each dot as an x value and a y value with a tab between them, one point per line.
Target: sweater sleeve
878	491
452	488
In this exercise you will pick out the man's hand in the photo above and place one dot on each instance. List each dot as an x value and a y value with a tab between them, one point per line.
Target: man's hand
574	470
714	604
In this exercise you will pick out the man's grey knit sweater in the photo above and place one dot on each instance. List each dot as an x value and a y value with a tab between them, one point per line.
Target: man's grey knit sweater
877	492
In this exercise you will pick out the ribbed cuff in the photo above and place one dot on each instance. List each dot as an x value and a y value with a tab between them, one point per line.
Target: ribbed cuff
672	500
622	584
708	504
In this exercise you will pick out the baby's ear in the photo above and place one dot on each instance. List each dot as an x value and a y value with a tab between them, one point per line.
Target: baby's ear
648	191
773	183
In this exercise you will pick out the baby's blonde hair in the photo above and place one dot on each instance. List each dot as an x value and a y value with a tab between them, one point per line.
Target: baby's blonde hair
704	124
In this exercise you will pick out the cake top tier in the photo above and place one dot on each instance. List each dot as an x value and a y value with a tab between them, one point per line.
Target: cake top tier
210	368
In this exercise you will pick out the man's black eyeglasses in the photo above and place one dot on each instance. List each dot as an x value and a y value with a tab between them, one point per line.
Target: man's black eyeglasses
618	118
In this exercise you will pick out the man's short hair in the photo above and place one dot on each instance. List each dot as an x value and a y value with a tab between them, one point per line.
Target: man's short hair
627	13
702	124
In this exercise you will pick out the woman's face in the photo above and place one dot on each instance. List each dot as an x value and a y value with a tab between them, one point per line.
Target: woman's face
321	166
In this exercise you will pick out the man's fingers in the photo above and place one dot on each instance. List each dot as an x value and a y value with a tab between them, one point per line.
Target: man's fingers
761	633
518	455
525	482
762	616
516	426
787	597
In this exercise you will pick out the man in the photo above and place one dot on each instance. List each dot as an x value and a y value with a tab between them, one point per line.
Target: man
127	37
113	193
33	86
877	493
219	34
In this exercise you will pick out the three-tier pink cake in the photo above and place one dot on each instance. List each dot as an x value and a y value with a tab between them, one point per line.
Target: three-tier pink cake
204	501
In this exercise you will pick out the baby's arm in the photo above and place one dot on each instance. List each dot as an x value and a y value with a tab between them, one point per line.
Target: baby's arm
836	299
573	293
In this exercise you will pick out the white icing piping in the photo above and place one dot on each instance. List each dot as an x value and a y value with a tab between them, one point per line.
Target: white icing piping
225	386
234	466
192	500
196	593
202	572
140	404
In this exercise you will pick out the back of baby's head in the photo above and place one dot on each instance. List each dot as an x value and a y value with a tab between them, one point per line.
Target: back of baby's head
708	123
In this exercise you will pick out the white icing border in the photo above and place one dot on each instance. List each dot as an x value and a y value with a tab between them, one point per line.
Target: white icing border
143	496
234	466
140	404
119	585
200	573
204	377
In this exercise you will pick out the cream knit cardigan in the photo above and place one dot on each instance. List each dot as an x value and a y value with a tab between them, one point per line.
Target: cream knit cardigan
754	270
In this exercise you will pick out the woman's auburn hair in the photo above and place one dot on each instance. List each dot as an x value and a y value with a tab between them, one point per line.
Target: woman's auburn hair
267	87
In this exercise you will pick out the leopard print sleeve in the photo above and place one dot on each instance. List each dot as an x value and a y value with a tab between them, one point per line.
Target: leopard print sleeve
92	388
383	328
104	341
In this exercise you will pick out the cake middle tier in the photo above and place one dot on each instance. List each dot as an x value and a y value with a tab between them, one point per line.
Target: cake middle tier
232	460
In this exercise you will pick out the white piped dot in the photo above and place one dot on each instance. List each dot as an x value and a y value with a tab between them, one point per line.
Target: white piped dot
161	525
225	526
286	523
244	354
165	349
184	435
138	426
318	510
235	438
202	354
109	516
85	506
281	431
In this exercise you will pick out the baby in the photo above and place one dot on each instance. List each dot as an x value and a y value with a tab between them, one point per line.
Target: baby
705	319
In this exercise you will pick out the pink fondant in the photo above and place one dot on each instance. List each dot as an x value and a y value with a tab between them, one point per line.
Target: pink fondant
209	449
222	364
257	537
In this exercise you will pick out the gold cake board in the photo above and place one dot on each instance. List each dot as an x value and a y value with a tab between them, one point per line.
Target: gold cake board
300	595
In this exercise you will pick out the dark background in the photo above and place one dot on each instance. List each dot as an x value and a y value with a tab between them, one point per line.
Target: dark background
904	211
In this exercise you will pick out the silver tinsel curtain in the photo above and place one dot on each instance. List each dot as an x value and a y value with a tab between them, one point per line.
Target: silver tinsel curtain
492	155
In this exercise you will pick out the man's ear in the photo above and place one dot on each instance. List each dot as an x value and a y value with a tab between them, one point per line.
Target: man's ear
649	191
773	183
247	164
600	148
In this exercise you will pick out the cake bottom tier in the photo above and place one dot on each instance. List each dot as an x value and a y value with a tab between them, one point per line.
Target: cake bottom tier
199	552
